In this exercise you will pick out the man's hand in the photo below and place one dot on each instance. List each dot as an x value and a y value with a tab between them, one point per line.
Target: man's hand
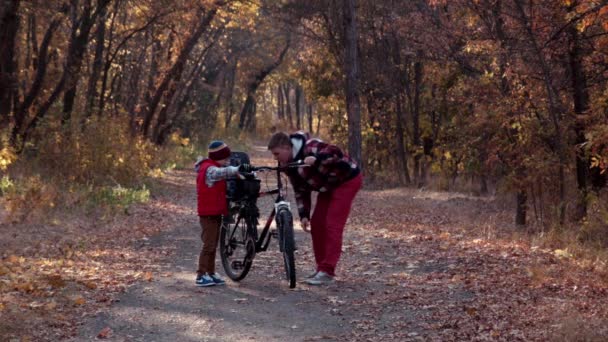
310	160
305	225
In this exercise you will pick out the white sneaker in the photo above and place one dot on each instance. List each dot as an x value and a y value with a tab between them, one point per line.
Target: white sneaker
312	275
321	278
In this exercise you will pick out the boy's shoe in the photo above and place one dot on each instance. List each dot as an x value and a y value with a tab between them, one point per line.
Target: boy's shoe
204	280
321	278
217	279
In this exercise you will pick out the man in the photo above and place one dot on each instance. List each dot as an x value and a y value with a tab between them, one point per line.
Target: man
337	179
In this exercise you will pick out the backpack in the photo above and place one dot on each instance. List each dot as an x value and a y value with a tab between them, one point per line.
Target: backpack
233	184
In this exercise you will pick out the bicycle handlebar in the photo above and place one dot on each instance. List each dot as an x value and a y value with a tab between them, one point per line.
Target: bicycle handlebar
292	165
248	175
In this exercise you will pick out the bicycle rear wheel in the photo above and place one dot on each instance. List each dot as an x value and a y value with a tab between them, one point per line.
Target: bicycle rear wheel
287	245
237	248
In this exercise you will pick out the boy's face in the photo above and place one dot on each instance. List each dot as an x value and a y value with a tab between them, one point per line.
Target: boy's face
282	154
224	162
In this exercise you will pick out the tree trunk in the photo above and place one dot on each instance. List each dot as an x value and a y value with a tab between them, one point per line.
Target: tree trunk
310	118
229	97
580	96
286	91
167	87
42	60
9	25
97	64
247	116
298	107
78	42
280	104
520	216
404	175
418	176
351	71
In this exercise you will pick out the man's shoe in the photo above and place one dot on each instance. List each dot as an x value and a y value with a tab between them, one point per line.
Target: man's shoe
204	280
321	278
217	279
312	275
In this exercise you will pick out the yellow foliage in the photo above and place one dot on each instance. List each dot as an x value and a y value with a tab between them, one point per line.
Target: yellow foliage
7	157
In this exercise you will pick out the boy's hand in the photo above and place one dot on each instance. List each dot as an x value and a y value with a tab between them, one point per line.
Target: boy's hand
245	168
305	225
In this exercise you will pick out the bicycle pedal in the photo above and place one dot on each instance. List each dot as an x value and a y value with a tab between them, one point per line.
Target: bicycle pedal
274	234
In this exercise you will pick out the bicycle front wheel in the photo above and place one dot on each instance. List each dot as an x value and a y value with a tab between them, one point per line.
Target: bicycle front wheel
237	248
287	245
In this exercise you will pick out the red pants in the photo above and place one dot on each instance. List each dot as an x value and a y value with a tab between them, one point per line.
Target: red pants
328	221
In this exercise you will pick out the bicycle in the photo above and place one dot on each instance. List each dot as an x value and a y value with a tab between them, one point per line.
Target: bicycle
239	240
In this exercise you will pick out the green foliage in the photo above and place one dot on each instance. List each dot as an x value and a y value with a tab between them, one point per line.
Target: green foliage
117	196
6	185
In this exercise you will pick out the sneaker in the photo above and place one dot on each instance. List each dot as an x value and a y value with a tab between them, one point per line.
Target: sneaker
217	279
312	275
204	280
321	278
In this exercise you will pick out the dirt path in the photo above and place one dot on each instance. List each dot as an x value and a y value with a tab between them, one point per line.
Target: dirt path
416	267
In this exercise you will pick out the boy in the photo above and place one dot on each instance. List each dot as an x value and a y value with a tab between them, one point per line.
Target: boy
336	177
212	204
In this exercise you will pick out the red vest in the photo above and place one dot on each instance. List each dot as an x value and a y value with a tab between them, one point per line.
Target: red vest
211	200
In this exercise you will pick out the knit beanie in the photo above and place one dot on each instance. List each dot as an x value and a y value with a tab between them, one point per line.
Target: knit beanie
218	150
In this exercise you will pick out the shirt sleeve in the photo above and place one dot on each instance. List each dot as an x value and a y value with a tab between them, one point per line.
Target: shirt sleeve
303	203
215	174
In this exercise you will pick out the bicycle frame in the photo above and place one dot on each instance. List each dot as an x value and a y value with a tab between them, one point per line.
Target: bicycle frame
263	241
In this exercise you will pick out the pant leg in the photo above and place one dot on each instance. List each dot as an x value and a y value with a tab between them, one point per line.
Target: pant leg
210	226
338	209
317	227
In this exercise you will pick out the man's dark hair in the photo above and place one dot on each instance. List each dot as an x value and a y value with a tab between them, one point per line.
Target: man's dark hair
279	139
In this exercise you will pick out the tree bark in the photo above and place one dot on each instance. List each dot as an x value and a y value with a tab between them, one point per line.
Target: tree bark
286	93
404	175
248	112
78	42
167	87
298	107
418	175
97	64
42	63
351	71
580	95
9	25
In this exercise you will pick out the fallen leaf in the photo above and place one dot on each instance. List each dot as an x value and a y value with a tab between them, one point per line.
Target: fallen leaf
50	306
147	276
56	281
105	333
471	311
13	259
79	300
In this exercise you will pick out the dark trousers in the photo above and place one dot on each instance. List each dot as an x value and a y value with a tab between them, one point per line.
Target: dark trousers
210	226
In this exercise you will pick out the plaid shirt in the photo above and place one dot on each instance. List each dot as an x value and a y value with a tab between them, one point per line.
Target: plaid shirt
331	169
215	173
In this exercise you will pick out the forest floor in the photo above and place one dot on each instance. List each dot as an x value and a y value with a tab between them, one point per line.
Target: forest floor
416	266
